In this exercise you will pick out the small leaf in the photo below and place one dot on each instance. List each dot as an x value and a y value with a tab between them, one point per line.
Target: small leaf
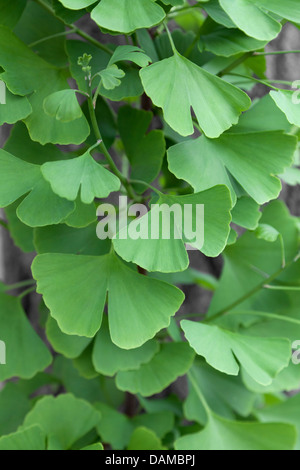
132	53
69	176
267	232
111	77
172	361
63	105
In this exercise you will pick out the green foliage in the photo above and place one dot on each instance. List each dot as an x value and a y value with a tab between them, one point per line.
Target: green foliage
167	121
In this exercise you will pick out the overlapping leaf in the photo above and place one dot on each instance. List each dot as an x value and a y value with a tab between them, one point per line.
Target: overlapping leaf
42	206
79	312
26	354
172	361
33	75
222	349
63	420
147	243
253	159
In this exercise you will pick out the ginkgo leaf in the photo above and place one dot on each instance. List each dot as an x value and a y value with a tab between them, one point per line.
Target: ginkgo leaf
131	53
176	84
70	346
223	348
26	354
126	16
159	245
285	412
289	104
250	17
289	9
11	11
82	174
111	77
253	159
108	359
145	151
63	105
218	390
77	4
32	75
145	439
31	438
250	260
246	213
15	109
227	42
63	419
132	322
41	206
222	434
172	361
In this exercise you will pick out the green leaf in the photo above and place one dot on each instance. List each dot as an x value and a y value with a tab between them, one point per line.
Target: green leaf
251	18
144	439
172	361
177	84
31	438
218	390
252	159
21	234
70	346
98	446
250	261
125	16
11	11
14	405
82	174
284	99
222	434
228	42
77	4
15	109
26	354
63	105
63	239
131	53
111	77
222	349
285	412
145	150
167	253
31	75
108	359
287	9
267	233
246	213
63	419
59	275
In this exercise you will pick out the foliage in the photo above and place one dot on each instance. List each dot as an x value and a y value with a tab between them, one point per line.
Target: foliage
165	118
